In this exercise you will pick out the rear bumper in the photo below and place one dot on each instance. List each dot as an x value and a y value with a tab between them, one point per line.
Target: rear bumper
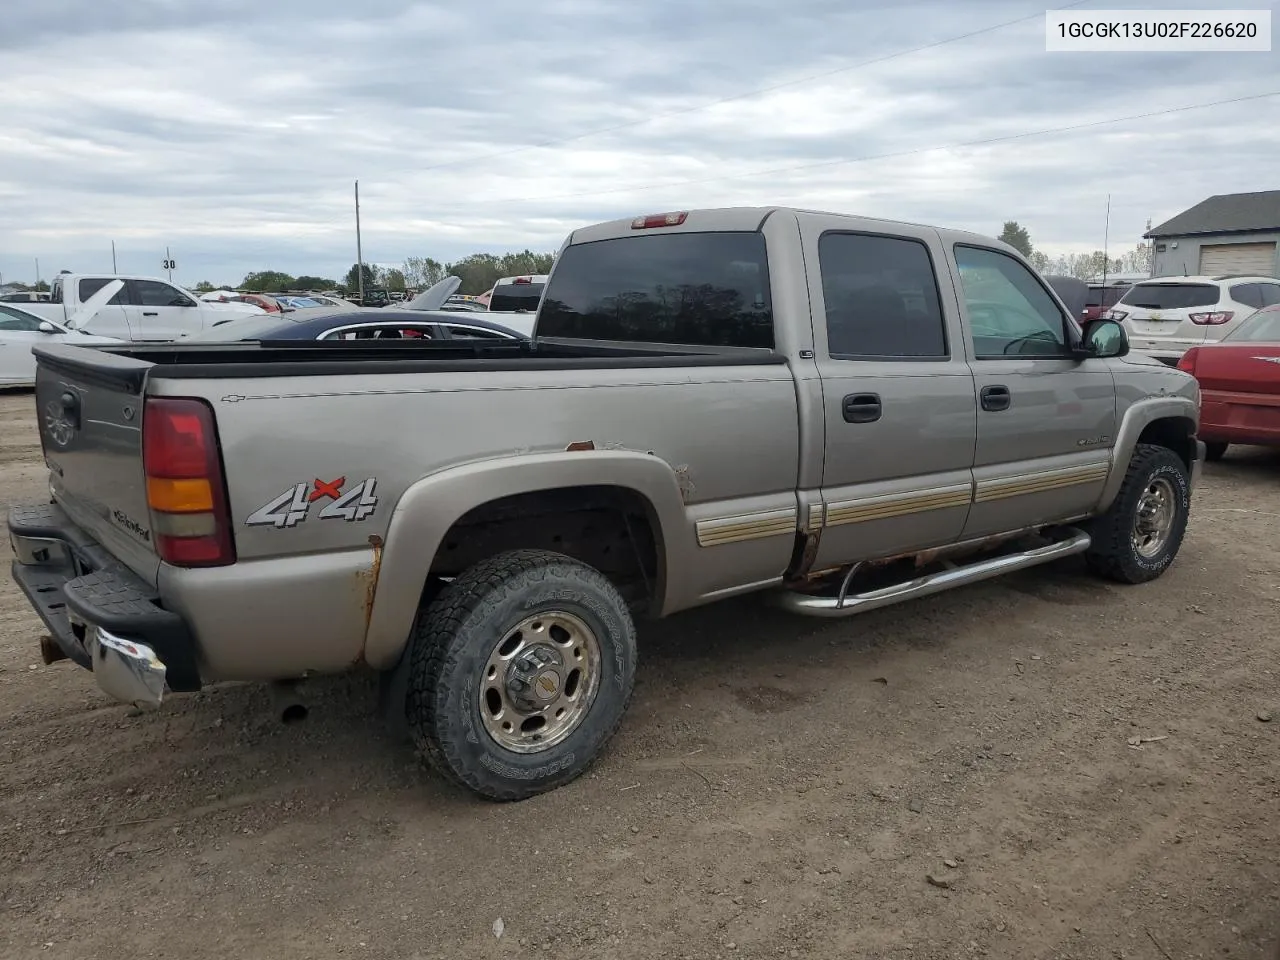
98	612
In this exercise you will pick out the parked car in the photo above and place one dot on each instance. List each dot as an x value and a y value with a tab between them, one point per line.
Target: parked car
387	323
1102	297
143	308
1167	316
26	296
1239	380
842	411
516	294
21	330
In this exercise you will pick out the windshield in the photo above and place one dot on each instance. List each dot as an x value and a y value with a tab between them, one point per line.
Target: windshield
1262	326
1171	296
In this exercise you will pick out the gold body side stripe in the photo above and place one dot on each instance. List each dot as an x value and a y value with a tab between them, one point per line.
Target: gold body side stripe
1002	488
897	504
750	526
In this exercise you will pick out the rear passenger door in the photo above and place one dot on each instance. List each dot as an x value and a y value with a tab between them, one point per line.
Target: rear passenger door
113	320
897	392
1046	418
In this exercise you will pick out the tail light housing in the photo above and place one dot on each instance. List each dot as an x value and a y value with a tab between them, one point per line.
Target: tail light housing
186	492
1187	362
1215	319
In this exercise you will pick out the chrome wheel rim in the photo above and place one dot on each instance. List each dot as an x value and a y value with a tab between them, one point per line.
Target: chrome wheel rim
1154	519
539	682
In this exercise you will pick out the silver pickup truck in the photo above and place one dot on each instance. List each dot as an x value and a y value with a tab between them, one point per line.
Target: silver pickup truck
842	411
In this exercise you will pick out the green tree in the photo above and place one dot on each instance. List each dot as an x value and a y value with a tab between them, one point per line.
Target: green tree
308	282
1039	260
395	280
480	271
422	272
204	286
267	281
352	281
41	286
1016	236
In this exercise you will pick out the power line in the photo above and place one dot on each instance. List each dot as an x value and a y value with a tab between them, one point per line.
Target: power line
598	131
985	141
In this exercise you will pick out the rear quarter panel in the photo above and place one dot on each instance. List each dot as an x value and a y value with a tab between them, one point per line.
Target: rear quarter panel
726	438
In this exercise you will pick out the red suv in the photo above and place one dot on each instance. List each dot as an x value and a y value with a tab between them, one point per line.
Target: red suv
1102	298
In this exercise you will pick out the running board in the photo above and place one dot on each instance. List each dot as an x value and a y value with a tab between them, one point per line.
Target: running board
845	604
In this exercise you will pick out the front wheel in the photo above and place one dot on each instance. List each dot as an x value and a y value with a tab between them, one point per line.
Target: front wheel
1138	537
520	672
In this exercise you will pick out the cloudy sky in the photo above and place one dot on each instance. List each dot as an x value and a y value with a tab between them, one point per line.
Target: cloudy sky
231	130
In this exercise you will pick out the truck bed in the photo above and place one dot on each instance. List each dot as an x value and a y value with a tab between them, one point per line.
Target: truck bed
126	364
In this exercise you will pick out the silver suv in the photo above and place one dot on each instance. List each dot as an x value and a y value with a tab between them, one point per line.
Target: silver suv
1166	316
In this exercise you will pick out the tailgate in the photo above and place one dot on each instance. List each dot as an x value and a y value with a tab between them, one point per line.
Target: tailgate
89	407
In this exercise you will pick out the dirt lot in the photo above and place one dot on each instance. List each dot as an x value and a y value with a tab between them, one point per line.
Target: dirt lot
782	787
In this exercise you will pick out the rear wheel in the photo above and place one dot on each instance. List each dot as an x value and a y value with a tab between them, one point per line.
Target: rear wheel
1214	451
520	672
1138	537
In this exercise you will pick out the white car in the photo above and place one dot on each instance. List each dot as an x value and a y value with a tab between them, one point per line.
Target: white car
1166	316
20	330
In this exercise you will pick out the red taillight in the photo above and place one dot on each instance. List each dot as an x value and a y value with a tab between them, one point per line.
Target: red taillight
1214	319
658	220
1187	362
185	490
523	280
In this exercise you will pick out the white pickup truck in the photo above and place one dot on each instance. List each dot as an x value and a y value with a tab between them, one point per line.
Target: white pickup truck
144	308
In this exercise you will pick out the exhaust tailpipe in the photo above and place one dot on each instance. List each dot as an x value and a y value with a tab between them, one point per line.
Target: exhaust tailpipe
287	701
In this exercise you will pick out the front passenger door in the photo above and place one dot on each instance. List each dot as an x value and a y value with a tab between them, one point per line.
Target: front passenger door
1046	418
163	312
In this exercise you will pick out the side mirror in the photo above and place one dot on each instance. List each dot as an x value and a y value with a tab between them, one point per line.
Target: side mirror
47	327
1105	338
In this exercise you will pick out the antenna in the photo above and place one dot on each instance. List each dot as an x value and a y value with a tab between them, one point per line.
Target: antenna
1106	241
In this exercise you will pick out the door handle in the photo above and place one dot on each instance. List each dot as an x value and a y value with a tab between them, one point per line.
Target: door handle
861	408
996	397
151	313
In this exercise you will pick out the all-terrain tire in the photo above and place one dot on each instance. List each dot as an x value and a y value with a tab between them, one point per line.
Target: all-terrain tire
1113	553
1215	451
456	634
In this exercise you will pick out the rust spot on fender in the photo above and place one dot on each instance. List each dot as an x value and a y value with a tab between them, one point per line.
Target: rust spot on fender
685	482
368	581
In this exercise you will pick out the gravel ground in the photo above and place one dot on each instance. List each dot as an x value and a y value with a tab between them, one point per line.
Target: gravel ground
1044	766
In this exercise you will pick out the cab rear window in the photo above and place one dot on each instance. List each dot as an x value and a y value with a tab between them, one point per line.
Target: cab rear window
1171	296
695	289
510	297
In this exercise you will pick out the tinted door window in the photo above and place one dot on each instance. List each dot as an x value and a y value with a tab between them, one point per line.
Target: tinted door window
152	293
881	298
1010	313
1171	296
16	320
1270	294
511	297
91	285
474	333
704	289
397	331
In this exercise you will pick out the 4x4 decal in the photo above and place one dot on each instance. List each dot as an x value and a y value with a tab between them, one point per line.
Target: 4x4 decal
293	506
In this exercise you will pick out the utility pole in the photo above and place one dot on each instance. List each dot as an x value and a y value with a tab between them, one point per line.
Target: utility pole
37	273
168	263
114	268
359	251
1151	252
